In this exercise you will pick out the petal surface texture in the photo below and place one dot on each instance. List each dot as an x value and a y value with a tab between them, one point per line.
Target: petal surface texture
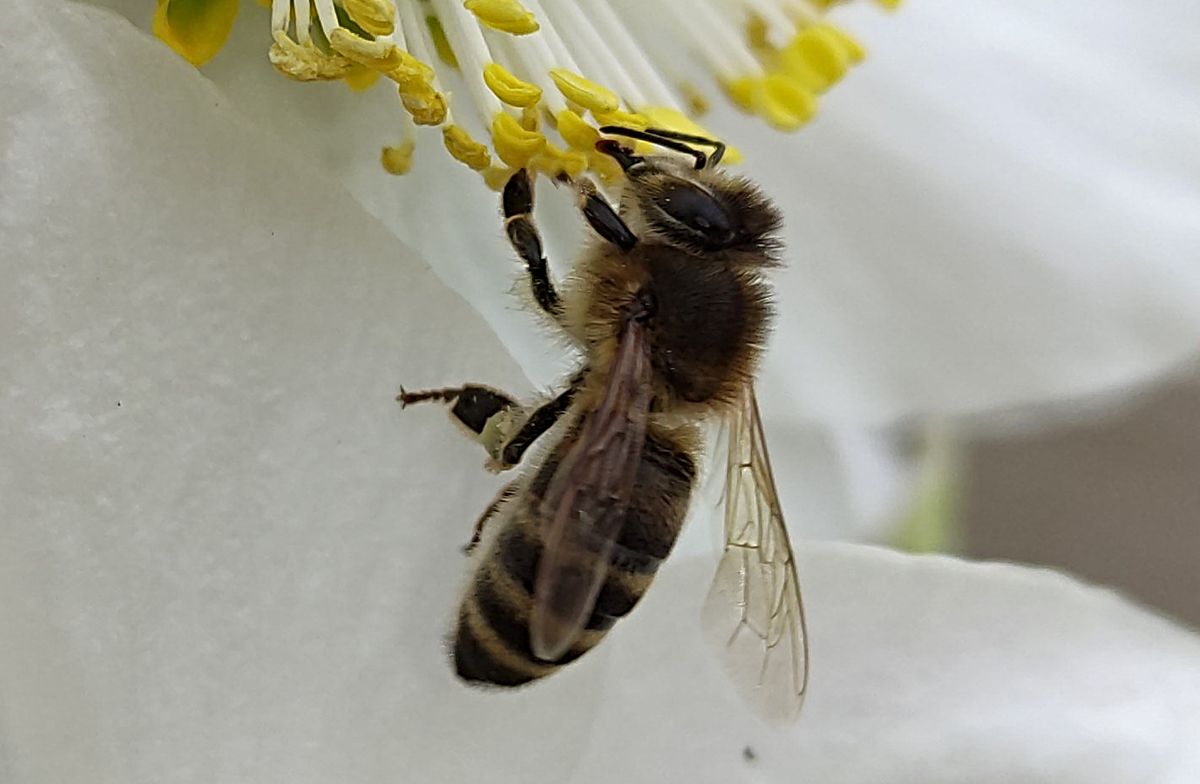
924	669
227	555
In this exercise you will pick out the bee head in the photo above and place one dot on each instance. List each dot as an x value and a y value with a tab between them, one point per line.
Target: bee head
696	207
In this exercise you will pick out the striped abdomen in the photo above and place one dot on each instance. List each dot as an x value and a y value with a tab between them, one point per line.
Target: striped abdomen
492	638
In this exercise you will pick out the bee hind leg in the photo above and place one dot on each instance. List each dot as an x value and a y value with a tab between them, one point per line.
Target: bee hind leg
538	422
471	405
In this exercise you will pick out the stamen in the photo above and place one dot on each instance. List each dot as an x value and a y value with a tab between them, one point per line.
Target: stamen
537	67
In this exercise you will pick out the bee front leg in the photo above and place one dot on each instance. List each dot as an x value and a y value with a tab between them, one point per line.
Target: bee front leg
527	242
602	216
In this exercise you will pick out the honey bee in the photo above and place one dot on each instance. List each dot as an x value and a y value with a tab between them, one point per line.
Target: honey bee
669	308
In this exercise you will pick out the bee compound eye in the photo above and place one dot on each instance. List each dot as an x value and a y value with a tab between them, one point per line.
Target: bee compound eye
698	211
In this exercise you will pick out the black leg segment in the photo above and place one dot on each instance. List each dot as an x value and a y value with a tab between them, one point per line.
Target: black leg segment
473	405
523	235
603	218
541	420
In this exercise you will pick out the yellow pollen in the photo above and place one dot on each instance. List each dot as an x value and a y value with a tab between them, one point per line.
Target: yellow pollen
510	89
426	105
508	16
377	17
306	63
584	92
464	148
515	145
398	159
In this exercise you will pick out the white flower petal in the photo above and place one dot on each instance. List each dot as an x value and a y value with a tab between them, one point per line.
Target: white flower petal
999	208
226	555
925	669
243	571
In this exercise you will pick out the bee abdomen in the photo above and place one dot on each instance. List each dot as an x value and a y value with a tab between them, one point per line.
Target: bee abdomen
492	639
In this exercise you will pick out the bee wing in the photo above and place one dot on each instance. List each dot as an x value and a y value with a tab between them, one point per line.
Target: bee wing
753	612
586	500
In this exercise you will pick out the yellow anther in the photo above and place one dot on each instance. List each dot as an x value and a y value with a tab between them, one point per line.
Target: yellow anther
411	72
555	162
576	131
196	31
361	78
426	105
890	5
819	50
377	17
496	177
584	92
381	55
398	159
624	119
508	16
515	145
853	50
510	89
464	148
306	63
794	66
785	104
741	90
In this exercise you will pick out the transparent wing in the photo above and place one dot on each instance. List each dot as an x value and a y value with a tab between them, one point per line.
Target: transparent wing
587	498
754	613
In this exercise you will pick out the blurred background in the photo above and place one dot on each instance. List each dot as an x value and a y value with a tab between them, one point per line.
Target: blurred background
1114	499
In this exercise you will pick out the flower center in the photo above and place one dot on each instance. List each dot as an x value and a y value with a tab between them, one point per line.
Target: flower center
540	76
